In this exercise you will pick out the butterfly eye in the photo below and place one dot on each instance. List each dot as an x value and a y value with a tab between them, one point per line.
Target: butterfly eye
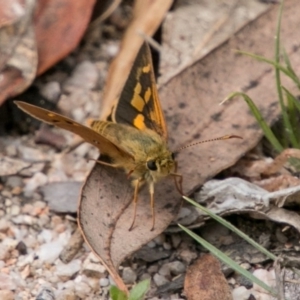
151	165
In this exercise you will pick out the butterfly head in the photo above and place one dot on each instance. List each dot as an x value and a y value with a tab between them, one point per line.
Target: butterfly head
160	166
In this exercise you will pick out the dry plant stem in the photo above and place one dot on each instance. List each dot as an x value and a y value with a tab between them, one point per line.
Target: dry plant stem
279	275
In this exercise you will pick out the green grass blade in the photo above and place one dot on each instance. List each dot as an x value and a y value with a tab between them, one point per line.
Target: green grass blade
288	131
289	66
227	260
232	228
293	111
262	123
284	70
117	294
139	291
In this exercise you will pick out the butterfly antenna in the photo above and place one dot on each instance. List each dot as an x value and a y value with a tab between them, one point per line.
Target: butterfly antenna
224	137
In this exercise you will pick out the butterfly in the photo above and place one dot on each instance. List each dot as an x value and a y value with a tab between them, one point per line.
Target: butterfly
134	135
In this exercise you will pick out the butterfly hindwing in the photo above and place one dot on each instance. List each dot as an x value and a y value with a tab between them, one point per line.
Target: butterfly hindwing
139	105
107	148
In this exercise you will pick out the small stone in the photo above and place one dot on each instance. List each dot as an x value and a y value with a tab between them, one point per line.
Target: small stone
160	280
167	246
82	289
14	181
151	244
128	275
104	282
4	224
4	252
93	269
49	252
38	179
11	150
268	277
21	248
24	220
15	210
46	294
51	91
85	76
6	282
68	270
159	240
45	236
152	269
8	202
176	267
6	295
176	240
164	270
66	295
188	255
241	293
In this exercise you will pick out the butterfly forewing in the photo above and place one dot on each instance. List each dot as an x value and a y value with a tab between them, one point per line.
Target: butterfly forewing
106	147
139	105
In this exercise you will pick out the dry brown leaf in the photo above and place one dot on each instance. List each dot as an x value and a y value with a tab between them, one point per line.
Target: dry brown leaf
202	25
105	214
18	57
191	98
147	16
204	280
59	27
190	101
36	34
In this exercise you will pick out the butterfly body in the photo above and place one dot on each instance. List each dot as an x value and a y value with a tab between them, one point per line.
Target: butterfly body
152	157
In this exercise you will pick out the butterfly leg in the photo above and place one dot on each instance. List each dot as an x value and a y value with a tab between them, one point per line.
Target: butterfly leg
179	183
151	190
135	199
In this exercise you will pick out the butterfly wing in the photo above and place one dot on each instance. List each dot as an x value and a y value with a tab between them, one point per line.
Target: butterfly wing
107	149
139	105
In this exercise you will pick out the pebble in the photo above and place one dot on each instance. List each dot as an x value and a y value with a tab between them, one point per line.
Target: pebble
4	251
46	294
268	277
38	179
93	269
6	282
51	91
49	252
68	270
14	181
241	293
85	76
32	154
129	276
167	246
176	267
188	255
15	210
159	240
160	280
103	282
176	240
6	295
151	244
82	289
66	295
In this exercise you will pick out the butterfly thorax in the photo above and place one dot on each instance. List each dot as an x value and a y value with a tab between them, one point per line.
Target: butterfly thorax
152	158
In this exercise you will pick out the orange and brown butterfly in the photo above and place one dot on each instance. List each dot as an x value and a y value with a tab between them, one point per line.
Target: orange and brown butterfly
134	136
